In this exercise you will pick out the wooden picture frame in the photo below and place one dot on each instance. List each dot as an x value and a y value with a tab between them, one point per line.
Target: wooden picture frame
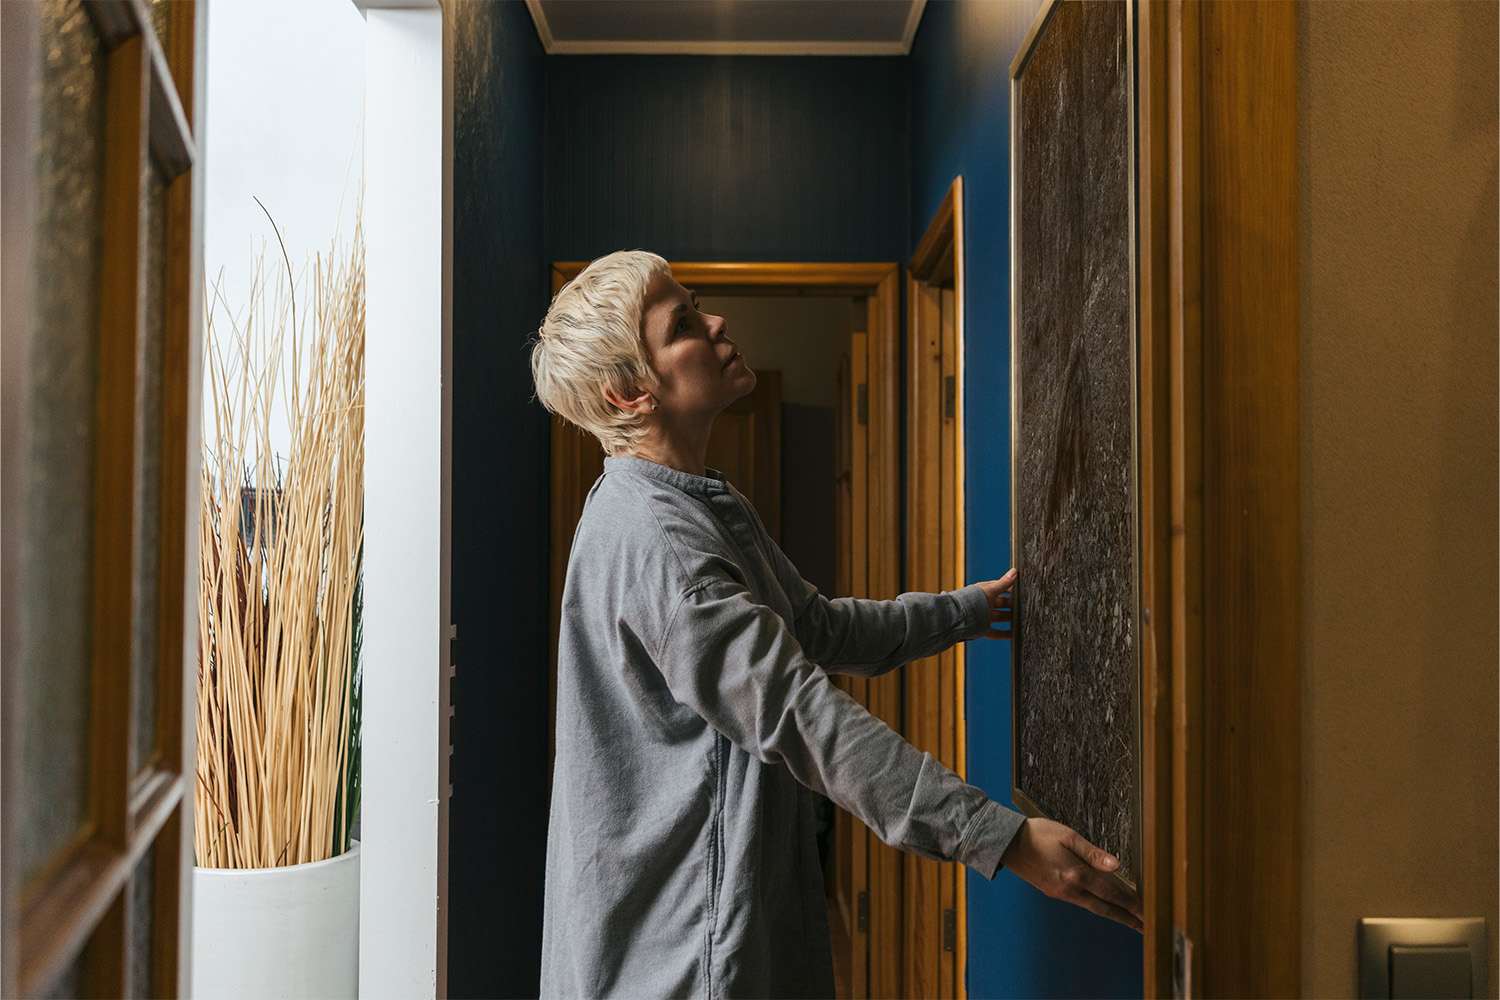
1075	445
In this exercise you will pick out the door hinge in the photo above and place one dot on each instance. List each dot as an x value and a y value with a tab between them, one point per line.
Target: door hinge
862	913
1182	965
950	396
864	403
950	929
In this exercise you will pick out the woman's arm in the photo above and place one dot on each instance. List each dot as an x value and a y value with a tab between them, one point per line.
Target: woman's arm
735	663
867	638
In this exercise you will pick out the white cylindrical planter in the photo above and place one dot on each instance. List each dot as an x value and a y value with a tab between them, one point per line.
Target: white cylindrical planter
277	932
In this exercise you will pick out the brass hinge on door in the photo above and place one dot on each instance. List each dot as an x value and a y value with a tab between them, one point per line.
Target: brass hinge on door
950	396
864	403
862	913
950	929
1182	965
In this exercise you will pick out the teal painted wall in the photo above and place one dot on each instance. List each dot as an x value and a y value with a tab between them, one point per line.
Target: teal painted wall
1021	944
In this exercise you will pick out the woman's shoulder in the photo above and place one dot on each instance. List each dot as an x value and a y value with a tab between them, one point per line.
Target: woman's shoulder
625	511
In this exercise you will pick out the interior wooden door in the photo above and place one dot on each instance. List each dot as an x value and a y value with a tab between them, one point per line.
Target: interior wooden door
935	928
745	445
100	481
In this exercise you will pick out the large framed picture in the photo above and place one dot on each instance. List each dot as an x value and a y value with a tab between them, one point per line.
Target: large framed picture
1075	525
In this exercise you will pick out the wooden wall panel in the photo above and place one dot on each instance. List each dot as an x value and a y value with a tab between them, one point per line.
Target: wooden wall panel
1252	664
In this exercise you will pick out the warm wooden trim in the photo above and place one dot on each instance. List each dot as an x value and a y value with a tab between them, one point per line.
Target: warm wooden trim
104	965
885	700
175	858
932	261
61	909
1185	325
721	278
178	517
862	842
935	561
925	545
122	317
167	910
1153	292
1251	723
960	673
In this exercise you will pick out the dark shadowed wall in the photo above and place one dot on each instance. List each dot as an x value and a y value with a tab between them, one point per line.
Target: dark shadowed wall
498	815
727	158
1020	942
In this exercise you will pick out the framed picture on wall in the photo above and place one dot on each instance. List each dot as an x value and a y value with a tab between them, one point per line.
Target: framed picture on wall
1074	504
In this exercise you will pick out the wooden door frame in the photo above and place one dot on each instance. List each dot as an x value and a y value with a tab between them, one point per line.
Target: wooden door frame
875	423
936	561
75	908
1221	561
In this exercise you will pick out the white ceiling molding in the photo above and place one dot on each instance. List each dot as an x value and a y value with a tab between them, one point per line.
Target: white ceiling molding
727	27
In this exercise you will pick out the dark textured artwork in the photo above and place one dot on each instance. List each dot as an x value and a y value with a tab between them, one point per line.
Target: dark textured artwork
1076	656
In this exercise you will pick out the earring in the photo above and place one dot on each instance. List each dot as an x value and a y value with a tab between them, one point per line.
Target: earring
653	407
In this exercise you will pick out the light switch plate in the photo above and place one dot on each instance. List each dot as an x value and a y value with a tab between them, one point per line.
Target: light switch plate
1378	935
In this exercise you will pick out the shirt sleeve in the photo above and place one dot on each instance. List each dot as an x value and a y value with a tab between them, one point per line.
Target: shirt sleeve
866	638
737	665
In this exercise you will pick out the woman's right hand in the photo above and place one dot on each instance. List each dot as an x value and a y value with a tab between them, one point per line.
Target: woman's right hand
1058	861
998	593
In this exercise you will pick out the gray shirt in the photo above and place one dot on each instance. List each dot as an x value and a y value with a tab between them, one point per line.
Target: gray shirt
694	712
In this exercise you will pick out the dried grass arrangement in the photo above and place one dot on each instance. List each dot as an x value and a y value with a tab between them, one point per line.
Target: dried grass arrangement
279	590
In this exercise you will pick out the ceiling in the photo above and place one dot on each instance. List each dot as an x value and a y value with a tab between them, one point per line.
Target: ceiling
727	27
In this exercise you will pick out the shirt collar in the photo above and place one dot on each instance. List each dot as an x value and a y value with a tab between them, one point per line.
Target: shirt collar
709	485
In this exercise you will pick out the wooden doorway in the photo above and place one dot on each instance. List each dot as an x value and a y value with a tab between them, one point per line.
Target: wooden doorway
102	236
1217	184
936	938
867	916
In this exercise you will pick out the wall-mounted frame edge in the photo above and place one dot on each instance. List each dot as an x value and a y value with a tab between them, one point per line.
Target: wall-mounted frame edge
1020	798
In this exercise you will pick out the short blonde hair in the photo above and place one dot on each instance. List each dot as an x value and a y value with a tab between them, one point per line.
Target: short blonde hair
591	339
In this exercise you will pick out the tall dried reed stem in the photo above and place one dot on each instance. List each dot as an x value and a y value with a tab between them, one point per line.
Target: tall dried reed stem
281	545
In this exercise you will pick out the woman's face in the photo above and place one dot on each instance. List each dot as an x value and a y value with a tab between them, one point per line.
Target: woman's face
699	371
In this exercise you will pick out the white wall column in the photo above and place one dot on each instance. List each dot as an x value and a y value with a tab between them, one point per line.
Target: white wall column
405	637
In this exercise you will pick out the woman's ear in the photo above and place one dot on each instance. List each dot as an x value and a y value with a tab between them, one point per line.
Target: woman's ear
631	399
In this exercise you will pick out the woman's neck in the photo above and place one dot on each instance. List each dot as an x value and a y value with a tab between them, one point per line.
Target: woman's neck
685	452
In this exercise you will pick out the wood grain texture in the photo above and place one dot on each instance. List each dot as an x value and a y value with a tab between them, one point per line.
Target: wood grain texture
1153	289
933	563
925	543
746	447
1185	333
173	932
1251	723
122	317
884	498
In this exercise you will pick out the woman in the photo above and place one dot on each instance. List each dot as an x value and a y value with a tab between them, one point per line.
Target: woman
695	717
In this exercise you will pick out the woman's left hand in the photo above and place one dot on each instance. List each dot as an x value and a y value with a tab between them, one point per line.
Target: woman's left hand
998	593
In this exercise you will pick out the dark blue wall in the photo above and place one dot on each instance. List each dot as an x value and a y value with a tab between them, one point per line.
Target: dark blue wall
569	157
1021	944
727	158
498	815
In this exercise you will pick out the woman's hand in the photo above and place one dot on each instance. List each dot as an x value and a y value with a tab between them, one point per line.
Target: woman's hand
1057	860
997	592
